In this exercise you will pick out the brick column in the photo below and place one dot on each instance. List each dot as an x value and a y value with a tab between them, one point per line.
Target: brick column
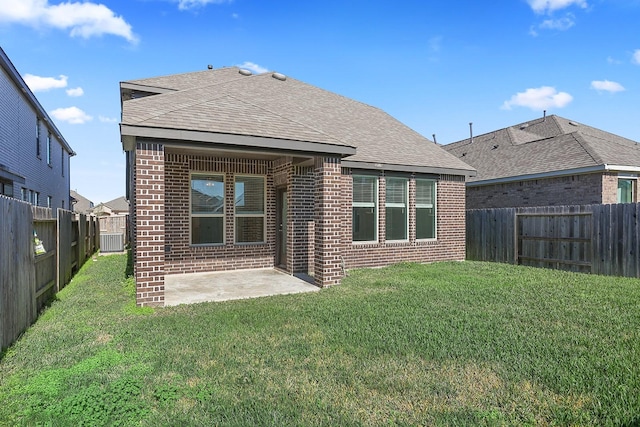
329	220
149	220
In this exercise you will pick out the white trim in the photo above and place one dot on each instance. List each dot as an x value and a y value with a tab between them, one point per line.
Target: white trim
434	205
398	205
553	174
376	206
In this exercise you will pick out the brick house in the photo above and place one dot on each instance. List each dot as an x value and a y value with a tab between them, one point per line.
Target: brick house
34	156
549	161
230	170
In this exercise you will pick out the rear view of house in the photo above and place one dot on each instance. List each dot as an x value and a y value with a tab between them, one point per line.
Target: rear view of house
549	161
230	170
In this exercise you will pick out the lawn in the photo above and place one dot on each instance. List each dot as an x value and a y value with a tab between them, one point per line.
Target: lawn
460	343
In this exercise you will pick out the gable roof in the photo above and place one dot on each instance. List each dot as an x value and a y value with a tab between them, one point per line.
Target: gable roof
119	204
80	203
549	146
276	112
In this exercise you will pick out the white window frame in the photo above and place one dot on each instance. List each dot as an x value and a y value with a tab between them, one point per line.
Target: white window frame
49	149
433	205
208	215
375	205
263	215
634	186
404	205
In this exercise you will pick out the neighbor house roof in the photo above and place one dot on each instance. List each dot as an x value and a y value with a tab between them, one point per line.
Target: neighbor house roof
119	204
80	203
546	146
271	111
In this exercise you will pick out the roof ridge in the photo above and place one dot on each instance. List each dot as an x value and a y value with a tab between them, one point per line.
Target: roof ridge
586	147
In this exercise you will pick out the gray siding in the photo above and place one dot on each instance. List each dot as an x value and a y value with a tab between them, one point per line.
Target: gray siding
18	149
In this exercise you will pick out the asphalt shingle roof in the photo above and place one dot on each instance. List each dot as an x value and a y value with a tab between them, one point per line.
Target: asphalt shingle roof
550	144
224	101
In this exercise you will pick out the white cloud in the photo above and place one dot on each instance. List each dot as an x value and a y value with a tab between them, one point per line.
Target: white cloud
72	115
607	86
191	4
549	6
611	60
561	24
538	99
253	67
41	84
636	57
104	119
83	19
78	91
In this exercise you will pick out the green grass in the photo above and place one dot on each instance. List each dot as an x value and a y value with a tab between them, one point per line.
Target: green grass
442	344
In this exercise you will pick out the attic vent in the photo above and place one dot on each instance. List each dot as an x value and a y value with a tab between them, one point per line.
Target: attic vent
524	126
279	76
463	154
245	72
573	124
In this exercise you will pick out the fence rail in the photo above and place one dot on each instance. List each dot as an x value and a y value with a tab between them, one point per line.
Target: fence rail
601	239
28	280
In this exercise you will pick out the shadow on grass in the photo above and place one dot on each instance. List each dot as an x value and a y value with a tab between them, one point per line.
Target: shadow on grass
128	271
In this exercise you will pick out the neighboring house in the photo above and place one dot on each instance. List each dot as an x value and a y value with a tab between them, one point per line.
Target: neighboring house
115	207
81	204
549	161
34	157
229	170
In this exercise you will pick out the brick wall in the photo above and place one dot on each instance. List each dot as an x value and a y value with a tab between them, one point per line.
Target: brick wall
149	266
450	241
609	188
567	190
329	221
180	255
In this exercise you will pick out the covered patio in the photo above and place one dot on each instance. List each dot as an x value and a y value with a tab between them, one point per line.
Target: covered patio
231	285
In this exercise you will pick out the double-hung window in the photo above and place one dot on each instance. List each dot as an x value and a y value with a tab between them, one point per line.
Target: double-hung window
49	149
207	209
365	208
625	190
38	137
425	209
249	196
396	209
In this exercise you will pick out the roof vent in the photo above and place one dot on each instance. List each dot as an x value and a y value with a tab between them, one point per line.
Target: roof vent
210	67
524	126
495	147
279	76
573	124
245	72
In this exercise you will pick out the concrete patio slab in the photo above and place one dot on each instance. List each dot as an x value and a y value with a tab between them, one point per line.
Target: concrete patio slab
229	285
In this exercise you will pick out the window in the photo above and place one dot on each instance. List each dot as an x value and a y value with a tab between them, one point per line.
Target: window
207	209
625	190
36	198
62	162
49	201
49	148
396	210
425	209
38	137
24	194
6	188
365	209
249	196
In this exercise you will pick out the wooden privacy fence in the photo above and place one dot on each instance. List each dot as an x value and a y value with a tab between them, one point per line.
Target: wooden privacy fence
27	280
599	239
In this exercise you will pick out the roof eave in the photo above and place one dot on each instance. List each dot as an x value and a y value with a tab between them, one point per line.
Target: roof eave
129	132
554	174
17	79
408	168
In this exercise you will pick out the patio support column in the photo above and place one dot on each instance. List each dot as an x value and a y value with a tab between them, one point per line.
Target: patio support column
149	223
328	221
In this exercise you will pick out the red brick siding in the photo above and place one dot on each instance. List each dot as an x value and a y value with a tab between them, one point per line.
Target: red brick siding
180	256
329	221
450	241
149	217
567	190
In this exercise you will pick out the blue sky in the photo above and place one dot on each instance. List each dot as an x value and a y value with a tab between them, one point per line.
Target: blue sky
434	65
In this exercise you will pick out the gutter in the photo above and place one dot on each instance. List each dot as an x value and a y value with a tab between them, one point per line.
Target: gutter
553	174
